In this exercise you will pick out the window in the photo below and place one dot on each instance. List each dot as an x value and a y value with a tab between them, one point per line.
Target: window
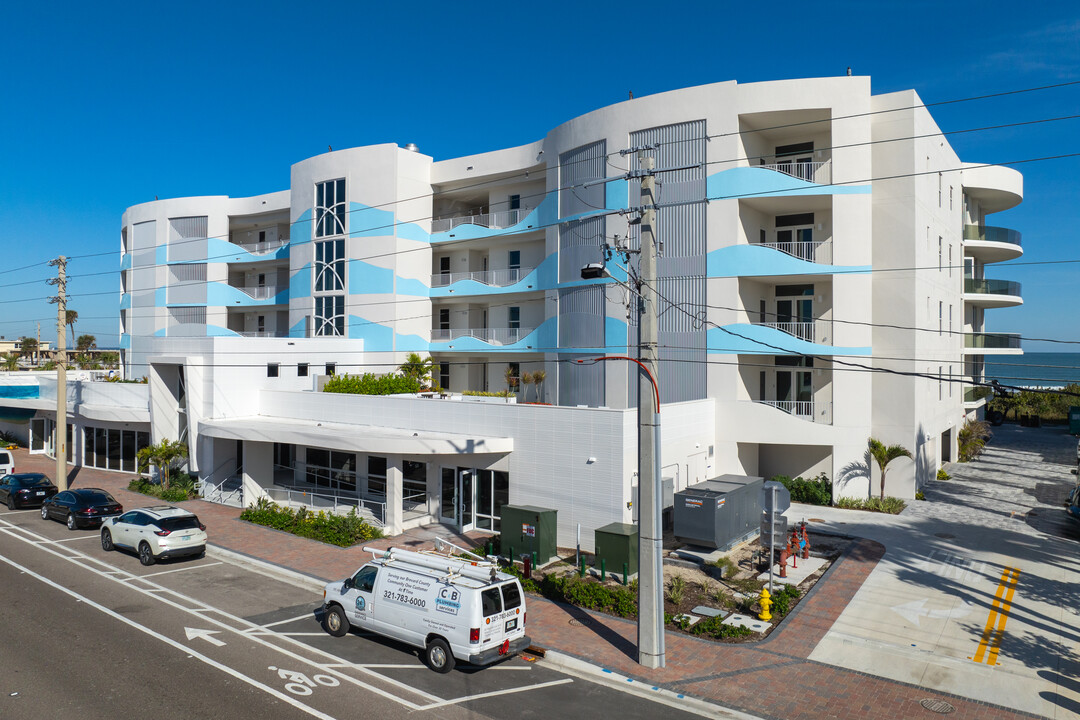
950	259
511	596
950	319
414	482
329	265
301	369
950	196
330	208
939	189
271	369
940	387
950	380
376	472
444	318
330	315
763	236
444	375
364	580
513	263
939	241
491	601
514	318
940	316
331	368
515	202
260	324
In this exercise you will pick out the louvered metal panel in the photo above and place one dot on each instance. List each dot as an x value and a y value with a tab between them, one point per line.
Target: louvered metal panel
581	384
681	238
581	317
187	238
577	166
580	243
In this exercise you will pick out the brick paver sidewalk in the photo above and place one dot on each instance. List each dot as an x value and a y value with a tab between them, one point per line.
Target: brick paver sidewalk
772	678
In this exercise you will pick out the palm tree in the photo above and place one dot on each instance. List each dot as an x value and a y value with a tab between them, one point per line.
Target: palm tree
70	318
11	361
28	347
511	381
885	455
85	342
418	368
538	380
163	456
526	381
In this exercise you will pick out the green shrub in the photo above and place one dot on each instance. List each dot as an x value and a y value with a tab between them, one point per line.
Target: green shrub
919	495
810	492
715	627
178	491
340	530
484	393
782	599
890	505
589	594
971	438
942	475
677	589
372	384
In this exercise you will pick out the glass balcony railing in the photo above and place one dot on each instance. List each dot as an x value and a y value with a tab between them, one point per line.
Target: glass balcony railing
984	233
992	341
975	394
991	287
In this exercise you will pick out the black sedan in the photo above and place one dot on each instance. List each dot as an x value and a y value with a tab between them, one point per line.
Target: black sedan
85	507
25	489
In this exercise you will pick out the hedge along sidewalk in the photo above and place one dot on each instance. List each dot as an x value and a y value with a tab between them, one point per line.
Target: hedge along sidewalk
340	530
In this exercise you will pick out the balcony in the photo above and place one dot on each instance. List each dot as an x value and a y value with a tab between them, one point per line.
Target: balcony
815	252
992	244
492	221
491	278
807	410
815	331
982	343
976	394
261	292
992	293
263	248
819	173
491	336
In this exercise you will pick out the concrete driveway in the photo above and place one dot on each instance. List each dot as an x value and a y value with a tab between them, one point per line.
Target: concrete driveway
977	594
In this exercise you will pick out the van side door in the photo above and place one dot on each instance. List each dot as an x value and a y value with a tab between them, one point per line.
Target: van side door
358	601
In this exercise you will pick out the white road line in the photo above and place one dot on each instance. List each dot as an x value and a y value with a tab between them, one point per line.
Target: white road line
405	666
70	539
182	569
169	641
281	622
496	693
157	591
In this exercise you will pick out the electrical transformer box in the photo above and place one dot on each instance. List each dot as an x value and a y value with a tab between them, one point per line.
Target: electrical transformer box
529	529
718	513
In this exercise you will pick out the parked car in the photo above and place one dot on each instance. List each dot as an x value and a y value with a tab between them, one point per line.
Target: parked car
7	462
85	507
1073	505
157	532
21	490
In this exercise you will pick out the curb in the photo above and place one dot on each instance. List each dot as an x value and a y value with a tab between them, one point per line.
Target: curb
602	676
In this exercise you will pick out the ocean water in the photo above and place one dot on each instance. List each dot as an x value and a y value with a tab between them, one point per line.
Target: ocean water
1044	369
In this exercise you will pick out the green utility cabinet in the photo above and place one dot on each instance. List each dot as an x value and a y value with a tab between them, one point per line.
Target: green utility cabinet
528	529
616	544
1074	420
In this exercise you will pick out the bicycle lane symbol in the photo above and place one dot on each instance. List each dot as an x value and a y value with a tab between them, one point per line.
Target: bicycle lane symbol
300	684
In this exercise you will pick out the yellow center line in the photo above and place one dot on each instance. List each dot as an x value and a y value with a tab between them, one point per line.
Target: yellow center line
999	615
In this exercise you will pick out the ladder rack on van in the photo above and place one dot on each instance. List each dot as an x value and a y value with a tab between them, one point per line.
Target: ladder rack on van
482	570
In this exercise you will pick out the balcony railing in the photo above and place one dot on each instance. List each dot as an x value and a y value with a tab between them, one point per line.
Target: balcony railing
975	394
493	220
808	410
260	292
816	331
987	233
815	172
256	334
491	278
492	336
815	252
991	287
261	248
992	341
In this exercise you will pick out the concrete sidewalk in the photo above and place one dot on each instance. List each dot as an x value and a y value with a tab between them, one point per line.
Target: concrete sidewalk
772	678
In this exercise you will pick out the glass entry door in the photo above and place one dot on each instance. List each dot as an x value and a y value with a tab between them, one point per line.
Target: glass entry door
457	501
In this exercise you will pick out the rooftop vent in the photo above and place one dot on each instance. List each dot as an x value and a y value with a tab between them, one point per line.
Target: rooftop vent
412	147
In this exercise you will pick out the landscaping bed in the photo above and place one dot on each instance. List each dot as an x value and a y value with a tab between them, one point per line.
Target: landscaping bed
729	586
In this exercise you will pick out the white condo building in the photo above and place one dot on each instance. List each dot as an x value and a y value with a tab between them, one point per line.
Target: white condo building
822	269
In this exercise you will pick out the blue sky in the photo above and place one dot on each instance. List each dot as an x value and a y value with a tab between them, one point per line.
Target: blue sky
108	105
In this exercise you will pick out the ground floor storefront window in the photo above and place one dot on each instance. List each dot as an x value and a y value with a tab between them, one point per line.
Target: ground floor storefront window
113	448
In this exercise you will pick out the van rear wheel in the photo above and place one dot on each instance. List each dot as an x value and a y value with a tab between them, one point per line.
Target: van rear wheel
438	656
335	621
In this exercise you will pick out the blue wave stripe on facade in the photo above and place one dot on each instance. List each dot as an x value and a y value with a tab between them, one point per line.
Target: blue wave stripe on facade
759	182
758	260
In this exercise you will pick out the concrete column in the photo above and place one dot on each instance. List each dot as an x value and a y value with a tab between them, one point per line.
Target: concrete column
258	469
394	495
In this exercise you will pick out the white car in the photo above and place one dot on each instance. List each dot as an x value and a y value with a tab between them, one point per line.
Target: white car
162	531
7	462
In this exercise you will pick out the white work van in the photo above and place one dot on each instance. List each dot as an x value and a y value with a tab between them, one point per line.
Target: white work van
451	607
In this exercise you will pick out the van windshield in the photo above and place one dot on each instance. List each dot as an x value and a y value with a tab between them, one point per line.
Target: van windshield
511	595
491	601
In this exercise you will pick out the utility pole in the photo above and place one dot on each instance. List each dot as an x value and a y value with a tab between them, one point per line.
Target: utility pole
60	444
37	348
650	539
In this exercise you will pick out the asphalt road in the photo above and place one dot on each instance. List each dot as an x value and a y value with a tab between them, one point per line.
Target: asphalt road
92	634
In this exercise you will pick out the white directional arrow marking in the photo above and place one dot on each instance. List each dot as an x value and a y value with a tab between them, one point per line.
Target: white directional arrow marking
207	635
912	611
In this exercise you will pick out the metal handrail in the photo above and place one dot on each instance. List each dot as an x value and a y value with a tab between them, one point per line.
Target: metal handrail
815	251
815	172
492	220
492	336
338	504
261	248
492	278
260	292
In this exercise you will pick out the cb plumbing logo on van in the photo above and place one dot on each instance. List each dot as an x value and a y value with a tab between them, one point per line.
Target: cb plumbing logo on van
449	601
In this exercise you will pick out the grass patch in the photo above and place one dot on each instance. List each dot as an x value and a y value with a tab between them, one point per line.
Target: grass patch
340	530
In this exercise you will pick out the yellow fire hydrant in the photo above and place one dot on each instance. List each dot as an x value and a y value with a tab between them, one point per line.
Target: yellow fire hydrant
765	603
